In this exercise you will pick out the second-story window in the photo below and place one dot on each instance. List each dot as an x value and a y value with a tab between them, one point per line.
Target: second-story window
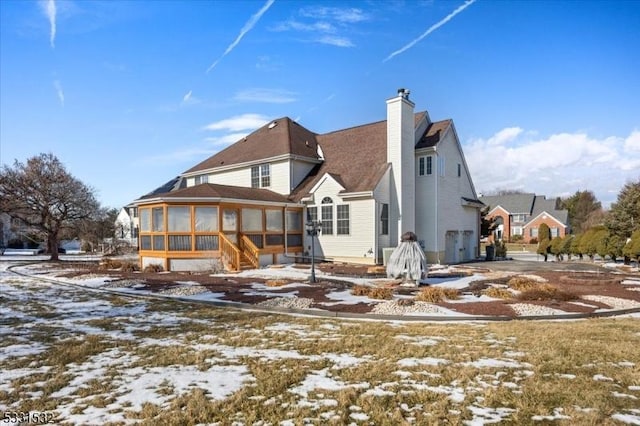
201	179
425	165
261	176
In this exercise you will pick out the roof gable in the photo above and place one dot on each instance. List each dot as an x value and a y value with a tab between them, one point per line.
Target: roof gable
552	215
512	203
433	135
279	137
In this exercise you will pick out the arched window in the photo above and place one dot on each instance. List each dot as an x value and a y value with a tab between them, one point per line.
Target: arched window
327	216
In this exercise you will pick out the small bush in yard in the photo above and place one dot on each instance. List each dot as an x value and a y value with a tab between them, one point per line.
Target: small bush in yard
522	283
276	283
372	292
130	267
384	293
546	292
109	263
154	267
498	293
437	294
360	290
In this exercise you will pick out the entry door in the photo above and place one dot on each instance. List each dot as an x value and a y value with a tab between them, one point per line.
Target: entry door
230	224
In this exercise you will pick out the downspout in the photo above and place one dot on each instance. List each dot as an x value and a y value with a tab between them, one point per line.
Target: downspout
436	176
376	214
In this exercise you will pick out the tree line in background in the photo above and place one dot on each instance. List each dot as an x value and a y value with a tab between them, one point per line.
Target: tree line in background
47	204
614	233
594	231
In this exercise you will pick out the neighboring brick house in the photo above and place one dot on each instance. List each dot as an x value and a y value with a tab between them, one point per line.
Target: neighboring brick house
522	215
367	185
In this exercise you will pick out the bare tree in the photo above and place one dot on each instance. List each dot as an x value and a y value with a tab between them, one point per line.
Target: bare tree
46	198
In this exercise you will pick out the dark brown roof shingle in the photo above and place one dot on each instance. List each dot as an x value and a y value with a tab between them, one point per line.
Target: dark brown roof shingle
359	155
212	190
285	137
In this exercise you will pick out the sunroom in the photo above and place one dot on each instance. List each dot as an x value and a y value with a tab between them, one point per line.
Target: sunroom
201	227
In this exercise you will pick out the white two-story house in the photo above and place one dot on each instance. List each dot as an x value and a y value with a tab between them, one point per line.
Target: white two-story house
248	204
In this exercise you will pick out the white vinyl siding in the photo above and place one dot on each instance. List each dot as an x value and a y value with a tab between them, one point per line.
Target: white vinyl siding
440	210
362	225
254	176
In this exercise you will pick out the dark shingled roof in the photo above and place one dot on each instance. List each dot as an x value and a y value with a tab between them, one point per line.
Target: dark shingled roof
358	156
433	134
530	204
513	203
278	137
166	187
212	190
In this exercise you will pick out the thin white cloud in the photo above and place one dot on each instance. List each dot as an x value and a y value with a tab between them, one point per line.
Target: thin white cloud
189	99
225	140
239	123
431	29
335	41
181	156
556	165
271	96
345	15
247	27
327	25
58	86
293	25
49	8
505	135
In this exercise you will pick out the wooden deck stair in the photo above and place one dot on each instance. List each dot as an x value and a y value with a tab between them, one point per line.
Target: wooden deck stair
245	263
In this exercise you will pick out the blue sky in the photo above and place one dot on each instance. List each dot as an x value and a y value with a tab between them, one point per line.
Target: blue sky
545	96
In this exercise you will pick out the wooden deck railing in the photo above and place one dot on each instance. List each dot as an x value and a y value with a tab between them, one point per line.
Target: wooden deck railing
230	253
250	251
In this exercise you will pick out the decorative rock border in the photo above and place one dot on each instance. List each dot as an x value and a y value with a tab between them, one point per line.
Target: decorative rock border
329	314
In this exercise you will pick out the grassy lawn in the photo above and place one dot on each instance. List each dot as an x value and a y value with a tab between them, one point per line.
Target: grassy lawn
112	360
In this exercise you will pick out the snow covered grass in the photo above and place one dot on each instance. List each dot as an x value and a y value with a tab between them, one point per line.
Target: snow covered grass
96	358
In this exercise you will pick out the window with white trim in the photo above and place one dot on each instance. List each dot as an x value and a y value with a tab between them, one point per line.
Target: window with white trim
201	179
384	219
342	219
261	176
425	165
327	216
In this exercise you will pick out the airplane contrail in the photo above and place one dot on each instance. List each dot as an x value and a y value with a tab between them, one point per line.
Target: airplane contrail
431	29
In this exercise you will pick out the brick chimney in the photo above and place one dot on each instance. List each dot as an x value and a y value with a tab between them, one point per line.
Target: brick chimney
401	155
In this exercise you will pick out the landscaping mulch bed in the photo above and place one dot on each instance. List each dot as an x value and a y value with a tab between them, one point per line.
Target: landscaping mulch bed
241	289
